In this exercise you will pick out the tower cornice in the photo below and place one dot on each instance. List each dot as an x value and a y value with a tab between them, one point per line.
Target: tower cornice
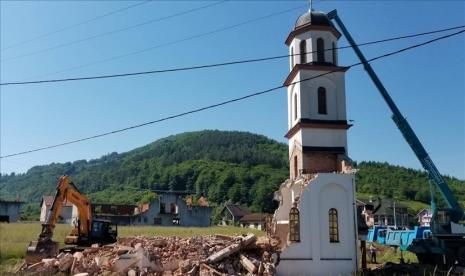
315	67
310	123
307	28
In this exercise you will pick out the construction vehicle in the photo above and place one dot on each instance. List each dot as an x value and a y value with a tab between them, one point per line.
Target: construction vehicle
86	231
446	244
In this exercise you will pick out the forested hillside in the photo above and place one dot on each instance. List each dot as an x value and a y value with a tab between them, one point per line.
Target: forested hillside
236	166
401	183
222	165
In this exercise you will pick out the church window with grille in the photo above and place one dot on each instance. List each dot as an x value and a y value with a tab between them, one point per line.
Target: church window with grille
303	51
294	225
333	226
334	54
322	109
295	106
296	166
320	50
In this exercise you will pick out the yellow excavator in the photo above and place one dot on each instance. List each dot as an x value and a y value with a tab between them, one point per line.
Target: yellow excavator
86	231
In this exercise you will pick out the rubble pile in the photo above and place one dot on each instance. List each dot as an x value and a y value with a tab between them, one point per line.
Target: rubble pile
199	255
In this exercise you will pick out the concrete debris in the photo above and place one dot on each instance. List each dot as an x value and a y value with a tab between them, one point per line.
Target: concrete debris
78	256
248	264
199	255
231	249
65	262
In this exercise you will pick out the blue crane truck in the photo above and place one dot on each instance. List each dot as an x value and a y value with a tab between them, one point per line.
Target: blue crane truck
446	243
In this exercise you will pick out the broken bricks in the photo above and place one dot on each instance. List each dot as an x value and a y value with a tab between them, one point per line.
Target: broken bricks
198	255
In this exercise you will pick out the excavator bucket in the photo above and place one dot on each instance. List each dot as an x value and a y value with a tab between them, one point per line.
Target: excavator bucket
38	250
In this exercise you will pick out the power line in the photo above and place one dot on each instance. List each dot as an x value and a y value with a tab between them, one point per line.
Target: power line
76	25
113	31
232	100
224	63
175	41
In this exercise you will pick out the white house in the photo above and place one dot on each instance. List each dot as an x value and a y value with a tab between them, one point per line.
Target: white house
69	212
316	220
255	221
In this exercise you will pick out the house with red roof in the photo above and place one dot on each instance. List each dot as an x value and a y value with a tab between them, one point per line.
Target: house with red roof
68	214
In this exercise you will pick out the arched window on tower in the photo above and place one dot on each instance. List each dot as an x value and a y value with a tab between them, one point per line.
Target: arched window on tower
292	57
334	54
320	50
296	167
295	106
333	226
322	109
294	225
303	51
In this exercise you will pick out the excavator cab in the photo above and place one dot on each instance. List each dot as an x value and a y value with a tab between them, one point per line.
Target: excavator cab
442	222
103	232
100	232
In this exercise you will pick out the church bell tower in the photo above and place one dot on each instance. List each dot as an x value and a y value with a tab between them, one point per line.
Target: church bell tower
317	124
315	221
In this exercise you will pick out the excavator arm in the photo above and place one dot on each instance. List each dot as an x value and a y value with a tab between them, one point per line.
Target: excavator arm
81	201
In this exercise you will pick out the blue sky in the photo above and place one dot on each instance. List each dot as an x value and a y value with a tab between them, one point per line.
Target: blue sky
427	83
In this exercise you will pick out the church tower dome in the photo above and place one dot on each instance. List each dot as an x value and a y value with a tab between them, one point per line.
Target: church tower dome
315	18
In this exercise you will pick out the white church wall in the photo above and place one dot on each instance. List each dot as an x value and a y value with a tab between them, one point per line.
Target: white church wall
328	39
295	142
288	193
322	137
296	46
310	97
307	102
292	91
340	197
335	91
313	255
310	38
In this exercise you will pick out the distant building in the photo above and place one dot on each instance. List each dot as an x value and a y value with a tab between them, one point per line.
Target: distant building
169	209
120	214
384	212
232	213
10	210
173	209
68	214
424	217
254	221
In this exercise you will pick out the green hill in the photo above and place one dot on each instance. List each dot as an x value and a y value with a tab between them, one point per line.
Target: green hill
402	183
222	165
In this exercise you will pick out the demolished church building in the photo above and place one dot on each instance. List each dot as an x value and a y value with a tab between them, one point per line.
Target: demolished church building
316	220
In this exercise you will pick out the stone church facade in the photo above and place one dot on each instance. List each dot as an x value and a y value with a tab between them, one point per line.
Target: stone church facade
316	220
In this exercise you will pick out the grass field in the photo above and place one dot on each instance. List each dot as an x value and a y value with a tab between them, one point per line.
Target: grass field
15	237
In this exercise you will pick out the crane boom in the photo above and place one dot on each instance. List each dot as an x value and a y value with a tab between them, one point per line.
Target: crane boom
405	128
